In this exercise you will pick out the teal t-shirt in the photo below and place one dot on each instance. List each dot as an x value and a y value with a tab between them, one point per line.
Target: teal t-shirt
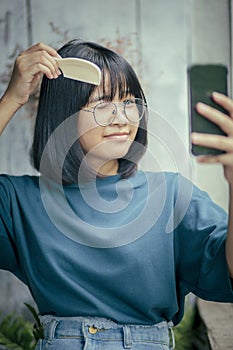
128	250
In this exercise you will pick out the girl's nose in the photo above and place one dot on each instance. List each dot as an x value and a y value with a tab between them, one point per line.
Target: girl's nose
120	116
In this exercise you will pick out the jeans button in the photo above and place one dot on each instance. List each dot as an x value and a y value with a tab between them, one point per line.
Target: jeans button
92	330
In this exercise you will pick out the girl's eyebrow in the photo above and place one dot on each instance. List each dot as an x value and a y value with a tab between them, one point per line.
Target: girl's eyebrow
103	97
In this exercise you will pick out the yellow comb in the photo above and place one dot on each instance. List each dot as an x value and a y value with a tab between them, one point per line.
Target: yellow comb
80	69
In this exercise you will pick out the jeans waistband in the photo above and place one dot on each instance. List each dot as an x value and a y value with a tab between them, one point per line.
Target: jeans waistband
63	327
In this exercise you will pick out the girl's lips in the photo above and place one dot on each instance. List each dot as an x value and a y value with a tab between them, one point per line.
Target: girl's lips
117	136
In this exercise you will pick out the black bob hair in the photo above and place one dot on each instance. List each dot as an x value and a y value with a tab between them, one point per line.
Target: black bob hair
61	98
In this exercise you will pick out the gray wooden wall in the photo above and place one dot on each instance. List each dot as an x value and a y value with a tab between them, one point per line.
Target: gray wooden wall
159	38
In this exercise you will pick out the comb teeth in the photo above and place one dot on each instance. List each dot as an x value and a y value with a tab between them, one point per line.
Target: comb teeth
80	69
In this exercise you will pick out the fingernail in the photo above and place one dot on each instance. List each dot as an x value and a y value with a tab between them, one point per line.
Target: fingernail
194	136
216	94
201	106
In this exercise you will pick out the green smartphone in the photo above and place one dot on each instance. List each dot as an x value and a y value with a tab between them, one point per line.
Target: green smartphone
203	80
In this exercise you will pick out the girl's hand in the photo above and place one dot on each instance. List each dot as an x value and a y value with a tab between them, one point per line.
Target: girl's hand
29	66
223	143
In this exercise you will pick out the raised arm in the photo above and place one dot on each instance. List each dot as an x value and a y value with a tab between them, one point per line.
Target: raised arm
28	68
224	143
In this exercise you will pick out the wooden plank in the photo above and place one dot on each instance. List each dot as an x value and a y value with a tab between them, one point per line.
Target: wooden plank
211	26
111	23
164	38
218	319
13	21
13	40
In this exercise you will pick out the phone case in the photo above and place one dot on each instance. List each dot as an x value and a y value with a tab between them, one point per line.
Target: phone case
203	80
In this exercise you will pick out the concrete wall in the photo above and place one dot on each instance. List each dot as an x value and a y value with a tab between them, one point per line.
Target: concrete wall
160	39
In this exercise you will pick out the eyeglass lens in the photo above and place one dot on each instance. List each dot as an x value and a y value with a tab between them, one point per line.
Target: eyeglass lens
105	112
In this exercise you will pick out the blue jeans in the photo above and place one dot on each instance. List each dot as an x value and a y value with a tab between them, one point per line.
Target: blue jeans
93	333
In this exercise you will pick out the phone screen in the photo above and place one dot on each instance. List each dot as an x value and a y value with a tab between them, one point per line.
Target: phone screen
203	81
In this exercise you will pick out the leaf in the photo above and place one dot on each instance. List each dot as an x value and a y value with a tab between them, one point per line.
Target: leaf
38	329
16	333
34	313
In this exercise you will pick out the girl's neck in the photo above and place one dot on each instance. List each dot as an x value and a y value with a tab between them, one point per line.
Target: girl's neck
108	169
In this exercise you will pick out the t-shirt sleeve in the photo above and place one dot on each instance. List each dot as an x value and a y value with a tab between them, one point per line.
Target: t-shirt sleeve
200	250
8	259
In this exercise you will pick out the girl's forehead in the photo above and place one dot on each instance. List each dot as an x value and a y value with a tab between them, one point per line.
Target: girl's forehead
109	89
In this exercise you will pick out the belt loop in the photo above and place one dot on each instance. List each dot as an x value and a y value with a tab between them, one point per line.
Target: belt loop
127	337
171	335
51	333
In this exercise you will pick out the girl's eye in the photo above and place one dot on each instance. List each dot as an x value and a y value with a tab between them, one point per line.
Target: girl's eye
128	102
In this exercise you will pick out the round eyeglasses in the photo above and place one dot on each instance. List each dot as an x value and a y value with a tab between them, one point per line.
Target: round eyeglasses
106	112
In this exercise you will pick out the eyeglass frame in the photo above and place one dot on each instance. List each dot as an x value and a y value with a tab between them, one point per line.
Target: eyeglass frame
144	105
